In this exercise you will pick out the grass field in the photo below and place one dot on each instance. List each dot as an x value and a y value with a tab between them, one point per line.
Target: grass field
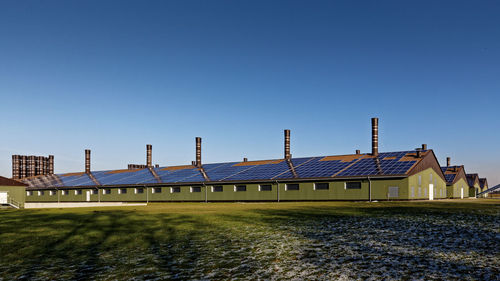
301	241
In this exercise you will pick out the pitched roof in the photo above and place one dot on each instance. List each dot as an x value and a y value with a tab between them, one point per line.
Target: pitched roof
472	179
386	164
483	182
8	182
453	174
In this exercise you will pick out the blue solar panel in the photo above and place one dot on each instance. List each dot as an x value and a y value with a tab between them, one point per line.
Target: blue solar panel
181	175
296	163
79	180
131	177
263	171
449	177
316	168
225	171
384	164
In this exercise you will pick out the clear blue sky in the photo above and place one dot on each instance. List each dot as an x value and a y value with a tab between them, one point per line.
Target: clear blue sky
113	76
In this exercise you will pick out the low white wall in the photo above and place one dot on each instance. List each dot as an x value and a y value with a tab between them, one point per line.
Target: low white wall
79	205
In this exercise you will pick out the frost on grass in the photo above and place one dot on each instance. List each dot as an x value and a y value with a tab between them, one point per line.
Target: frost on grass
284	246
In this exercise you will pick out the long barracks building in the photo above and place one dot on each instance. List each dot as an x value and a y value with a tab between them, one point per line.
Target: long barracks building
400	175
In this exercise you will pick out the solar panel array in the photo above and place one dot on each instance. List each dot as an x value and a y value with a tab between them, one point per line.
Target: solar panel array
449	177
308	167
387	163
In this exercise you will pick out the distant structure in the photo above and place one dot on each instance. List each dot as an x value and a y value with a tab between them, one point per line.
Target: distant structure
24	166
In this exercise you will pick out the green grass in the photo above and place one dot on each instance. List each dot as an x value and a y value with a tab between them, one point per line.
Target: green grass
306	240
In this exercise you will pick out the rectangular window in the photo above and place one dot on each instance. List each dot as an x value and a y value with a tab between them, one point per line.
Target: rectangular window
292	186
353	185
265	187
217	188
195	188
139	190
175	189
106	191
95	191
393	192
412	191
78	192
238	188
29	193
321	186
52	192
41	193
156	189
122	191
65	192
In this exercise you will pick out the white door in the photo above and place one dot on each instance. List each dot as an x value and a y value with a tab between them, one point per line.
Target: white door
88	195
431	191
3	197
462	193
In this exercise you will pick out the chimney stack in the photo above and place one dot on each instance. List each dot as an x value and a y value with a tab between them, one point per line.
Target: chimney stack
245	159
424	146
419	153
15	166
198	152
448	161
157	165
51	164
149	155
375	136
287	145
87	161
358	151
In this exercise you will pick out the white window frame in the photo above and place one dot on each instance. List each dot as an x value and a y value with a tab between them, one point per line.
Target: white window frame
191	188
286	187
40	193
172	189
52	192
136	190
361	185
29	193
235	190
213	186
314	186
104	191
154	190
120	190
76	192
94	191
64	192
260	185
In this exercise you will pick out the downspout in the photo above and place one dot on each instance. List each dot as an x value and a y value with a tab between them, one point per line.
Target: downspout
58	196
369	189
278	190
206	192
147	194
98	194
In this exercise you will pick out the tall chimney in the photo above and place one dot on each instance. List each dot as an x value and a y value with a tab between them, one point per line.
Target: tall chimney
198	152
15	166
424	146
287	145
31	163
22	166
358	151
448	160
87	161
375	136
149	155
419	153
245	159
51	164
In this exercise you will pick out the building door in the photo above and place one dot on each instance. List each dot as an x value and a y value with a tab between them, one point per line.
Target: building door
88	195
462	193
431	191
3	197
